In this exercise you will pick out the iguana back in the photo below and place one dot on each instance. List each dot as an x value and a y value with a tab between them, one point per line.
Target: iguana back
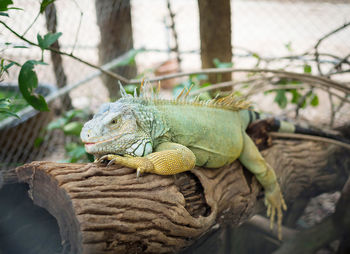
213	134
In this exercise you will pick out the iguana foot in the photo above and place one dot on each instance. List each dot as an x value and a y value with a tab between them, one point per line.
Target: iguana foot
275	203
108	157
141	164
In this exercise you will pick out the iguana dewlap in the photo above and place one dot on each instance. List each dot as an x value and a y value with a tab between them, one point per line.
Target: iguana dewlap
167	137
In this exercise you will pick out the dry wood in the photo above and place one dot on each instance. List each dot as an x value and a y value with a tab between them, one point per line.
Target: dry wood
108	210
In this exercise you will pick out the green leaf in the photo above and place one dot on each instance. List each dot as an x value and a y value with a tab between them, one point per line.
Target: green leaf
130	59
296	96
20	47
282	81
4	4
8	112
4	14
28	81
48	39
131	88
73	128
57	124
307	68
44	4
219	64
314	100
7	66
38	141
281	98
75	151
90	157
289	46
5	107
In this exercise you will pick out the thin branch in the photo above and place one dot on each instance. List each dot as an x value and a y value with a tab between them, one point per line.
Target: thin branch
322	39
30	26
323	81
301	101
79	25
309	137
112	74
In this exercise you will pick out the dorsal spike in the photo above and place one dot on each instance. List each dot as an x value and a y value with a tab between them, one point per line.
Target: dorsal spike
188	92
141	87
158	89
152	91
122	90
179	96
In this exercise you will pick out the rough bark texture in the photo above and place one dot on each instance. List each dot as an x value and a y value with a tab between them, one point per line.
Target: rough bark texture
215	35
114	21
107	210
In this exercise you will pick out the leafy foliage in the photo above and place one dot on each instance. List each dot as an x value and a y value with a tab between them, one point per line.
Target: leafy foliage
5	107
71	124
219	64
48	39
28	81
296	95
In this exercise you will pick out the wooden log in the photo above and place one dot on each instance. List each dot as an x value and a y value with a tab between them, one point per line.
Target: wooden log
103	209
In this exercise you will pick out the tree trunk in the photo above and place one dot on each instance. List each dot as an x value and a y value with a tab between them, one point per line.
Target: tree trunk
57	62
114	20
103	209
215	35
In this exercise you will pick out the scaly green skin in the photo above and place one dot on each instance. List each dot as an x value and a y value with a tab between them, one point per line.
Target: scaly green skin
168	137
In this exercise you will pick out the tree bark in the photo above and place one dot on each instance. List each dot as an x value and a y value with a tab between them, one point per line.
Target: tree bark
103	209
114	20
215	35
57	61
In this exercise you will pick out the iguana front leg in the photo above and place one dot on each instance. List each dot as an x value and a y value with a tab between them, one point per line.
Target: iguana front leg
254	162
169	159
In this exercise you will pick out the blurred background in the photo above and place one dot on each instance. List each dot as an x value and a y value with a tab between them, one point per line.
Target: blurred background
149	38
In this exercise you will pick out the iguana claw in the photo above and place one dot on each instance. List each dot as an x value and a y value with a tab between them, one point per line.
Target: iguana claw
111	162
138	173
141	164
101	159
275	203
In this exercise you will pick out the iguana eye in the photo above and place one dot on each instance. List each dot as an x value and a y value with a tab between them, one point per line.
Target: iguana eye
114	121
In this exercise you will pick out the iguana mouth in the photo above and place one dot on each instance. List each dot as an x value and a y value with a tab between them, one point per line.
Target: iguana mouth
106	140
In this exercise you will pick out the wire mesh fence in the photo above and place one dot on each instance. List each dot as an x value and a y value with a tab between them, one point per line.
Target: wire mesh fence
267	28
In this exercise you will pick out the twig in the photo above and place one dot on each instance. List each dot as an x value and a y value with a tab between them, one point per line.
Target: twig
331	105
110	73
322	39
323	81
309	137
30	26
79	25
173	29
301	101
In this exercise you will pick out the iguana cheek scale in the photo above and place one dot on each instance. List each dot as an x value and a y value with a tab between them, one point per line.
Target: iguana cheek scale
167	137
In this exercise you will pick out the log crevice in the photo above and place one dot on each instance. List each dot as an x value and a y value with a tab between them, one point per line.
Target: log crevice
103	209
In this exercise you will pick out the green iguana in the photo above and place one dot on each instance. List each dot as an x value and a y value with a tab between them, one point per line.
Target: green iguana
167	137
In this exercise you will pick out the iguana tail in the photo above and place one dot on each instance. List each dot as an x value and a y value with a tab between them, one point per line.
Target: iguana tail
281	126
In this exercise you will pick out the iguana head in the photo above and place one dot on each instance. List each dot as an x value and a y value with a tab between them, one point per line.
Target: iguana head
122	127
